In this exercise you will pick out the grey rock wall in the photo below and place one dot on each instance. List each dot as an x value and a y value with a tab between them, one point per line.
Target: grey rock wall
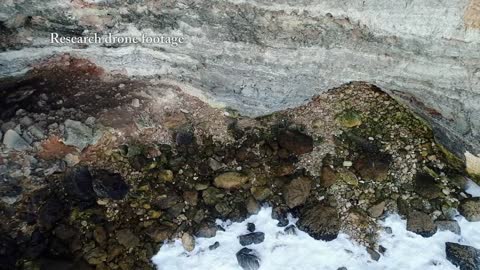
260	56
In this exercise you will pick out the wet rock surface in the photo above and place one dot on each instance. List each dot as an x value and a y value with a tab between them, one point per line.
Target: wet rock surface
421	223
464	257
321	222
157	173
470	209
247	259
251	238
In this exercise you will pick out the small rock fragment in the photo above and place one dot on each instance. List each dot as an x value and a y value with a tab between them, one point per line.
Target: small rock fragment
230	180
188	242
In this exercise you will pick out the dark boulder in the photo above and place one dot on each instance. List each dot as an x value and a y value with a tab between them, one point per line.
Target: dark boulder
51	212
373	166
470	209
250	227
321	222
448	225
465	257
184	138
421	223
78	184
251	238
295	142
109	185
8	252
426	186
247	259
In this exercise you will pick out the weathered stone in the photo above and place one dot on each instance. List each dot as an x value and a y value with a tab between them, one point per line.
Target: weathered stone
215	165
206	230
320	222
421	223
260	193
80	135
295	142
296	193
159	233
252	206
327	177
100	235
373	166
51	212
349	119
230	180
250	227
470	209
96	256
188	242
212	195
448	225
376	210
347	177
109	185
251	238
465	257
426	186
247	259
373	254
191	197
184	138
78	183
127	239
12	140
165	175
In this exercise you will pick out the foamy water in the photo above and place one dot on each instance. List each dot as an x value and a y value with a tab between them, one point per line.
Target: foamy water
405	250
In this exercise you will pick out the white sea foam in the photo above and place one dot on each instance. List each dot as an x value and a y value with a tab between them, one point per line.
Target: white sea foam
405	250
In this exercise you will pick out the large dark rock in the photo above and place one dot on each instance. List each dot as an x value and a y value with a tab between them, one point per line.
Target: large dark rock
295	142
297	192
373	166
426	186
465	257
321	222
78	183
8	252
109	185
421	223
251	238
51	212
470	209
247	259
184	138
448	225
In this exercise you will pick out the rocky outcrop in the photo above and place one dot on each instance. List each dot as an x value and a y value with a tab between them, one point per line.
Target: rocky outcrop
258	56
465	257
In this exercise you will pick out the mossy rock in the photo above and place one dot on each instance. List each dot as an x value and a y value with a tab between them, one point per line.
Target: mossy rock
349	119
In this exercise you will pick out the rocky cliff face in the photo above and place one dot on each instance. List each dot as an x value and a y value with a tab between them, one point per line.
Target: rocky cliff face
262	56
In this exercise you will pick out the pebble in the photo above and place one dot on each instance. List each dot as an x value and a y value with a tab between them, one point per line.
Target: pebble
135	103
347	163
